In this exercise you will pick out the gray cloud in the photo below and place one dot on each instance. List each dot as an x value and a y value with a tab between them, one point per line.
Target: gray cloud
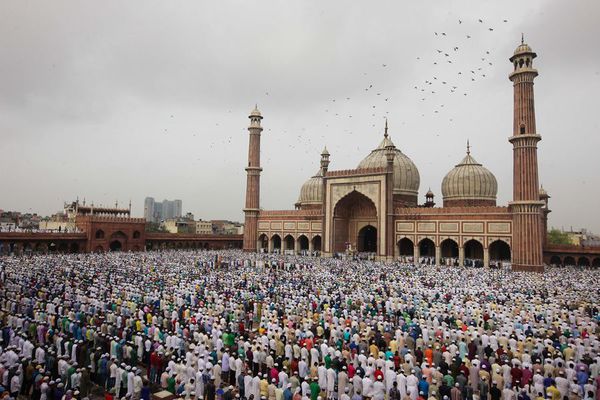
119	100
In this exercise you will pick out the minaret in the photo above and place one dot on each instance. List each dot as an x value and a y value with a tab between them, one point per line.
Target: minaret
526	206
253	170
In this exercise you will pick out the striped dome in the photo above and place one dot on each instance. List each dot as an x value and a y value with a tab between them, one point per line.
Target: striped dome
469	180
312	190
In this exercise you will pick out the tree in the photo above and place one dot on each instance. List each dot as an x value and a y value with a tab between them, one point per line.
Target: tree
556	236
154	227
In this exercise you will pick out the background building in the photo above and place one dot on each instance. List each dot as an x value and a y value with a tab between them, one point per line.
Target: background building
204	227
158	211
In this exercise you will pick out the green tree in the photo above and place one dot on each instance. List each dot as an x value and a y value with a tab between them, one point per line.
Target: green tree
154	227
556	236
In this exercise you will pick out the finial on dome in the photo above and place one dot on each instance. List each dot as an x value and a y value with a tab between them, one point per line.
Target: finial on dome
468	147
385	134
325	152
522	38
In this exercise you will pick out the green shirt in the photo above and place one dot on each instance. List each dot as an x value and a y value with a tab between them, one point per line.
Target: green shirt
314	390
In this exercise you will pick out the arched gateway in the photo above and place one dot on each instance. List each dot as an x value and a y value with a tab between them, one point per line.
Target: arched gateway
355	223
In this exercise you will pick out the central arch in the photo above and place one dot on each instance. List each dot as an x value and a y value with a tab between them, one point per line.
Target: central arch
367	239
353	213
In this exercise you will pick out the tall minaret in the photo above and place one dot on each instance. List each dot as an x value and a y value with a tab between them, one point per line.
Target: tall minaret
526	206
253	171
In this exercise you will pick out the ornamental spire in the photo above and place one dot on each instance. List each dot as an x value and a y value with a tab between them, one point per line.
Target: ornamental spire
385	134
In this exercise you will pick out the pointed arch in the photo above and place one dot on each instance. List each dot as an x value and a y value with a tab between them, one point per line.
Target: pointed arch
406	247
426	248
500	251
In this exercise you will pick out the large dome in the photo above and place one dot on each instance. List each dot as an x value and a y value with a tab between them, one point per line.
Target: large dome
469	183
406	174
312	191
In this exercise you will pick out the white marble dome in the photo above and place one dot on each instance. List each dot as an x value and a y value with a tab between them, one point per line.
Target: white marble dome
469	180
406	174
312	190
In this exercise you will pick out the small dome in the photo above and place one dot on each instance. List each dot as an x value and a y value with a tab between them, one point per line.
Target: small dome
312	190
522	48
543	193
406	174
255	112
469	181
429	193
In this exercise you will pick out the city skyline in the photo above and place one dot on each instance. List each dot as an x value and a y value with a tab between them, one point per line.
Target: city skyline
196	144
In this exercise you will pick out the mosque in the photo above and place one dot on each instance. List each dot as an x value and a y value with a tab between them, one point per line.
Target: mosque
375	209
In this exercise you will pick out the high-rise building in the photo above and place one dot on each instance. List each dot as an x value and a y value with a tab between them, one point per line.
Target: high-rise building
149	209
160	211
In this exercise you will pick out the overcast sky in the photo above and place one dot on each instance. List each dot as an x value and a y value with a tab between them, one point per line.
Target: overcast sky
118	100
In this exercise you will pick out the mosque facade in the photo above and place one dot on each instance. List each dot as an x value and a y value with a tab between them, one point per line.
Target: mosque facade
374	208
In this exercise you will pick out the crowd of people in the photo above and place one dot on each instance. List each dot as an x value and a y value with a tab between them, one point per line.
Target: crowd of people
230	325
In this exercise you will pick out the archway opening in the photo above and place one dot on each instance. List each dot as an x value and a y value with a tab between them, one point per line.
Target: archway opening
276	242
499	251
353	210
74	248
555	260
596	262
473	253
449	249
303	243
263	242
63	247
99	234
583	262
406	247
289	243
427	249
570	261
115	245
367	239
317	243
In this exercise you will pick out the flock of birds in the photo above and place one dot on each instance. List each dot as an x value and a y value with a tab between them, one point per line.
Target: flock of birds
452	71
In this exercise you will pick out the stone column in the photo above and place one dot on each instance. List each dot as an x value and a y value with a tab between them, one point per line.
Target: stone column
438	255
486	257
461	255
416	253
270	244
310	245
